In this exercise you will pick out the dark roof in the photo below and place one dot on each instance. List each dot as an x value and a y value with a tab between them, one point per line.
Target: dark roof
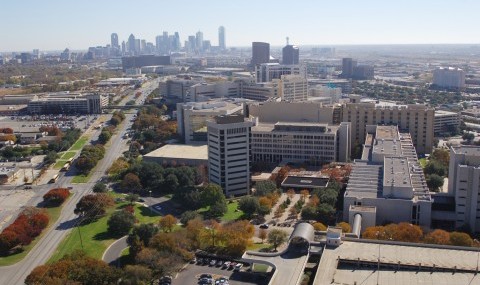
305	182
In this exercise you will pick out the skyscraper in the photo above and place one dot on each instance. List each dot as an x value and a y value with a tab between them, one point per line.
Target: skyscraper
199	38
260	53
177	45
221	38
114	40
290	54
348	65
229	153
131	44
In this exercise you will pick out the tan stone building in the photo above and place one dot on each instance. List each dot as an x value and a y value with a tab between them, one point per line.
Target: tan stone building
418	120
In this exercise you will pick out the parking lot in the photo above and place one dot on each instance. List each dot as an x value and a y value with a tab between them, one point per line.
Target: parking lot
28	123
191	273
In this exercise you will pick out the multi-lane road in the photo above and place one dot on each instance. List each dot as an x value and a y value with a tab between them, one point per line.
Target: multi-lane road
16	274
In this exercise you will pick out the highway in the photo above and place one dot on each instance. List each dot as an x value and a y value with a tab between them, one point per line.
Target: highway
16	274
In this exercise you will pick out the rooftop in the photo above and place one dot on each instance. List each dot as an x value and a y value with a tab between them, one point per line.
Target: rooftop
305	182
181	151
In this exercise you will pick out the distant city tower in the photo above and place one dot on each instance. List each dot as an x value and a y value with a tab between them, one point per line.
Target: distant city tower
221	38
114	40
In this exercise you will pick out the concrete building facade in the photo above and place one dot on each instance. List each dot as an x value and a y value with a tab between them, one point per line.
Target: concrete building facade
67	103
269	71
312	143
464	185
293	88
389	178
449	78
229	153
445	121
418	120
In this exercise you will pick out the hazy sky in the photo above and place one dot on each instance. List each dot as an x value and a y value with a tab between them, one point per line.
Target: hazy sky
56	24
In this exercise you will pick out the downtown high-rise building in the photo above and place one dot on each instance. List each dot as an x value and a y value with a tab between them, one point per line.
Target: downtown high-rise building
131	44
114	40
260	53
199	40
290	55
221	38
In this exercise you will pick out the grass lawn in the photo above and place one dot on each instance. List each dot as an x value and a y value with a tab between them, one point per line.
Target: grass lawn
78	145
259	267
80	178
95	236
53	213
231	214
67	155
59	164
423	162
258	246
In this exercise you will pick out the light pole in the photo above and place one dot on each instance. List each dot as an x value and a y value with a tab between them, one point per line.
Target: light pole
150	192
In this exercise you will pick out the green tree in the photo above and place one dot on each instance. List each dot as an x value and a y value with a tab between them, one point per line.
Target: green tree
262	188
187	216
277	237
104	137
309	213
144	232
99	187
249	205
51	157
435	167
326	213
131	182
212	196
120	223
434	182
132	198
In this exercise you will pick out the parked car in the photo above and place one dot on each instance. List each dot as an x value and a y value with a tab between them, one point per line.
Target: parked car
226	264
264	226
238	267
219	263
213	262
205	275
222	281
194	260
200	261
232	265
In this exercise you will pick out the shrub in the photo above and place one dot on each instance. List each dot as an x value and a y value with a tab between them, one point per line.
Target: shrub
56	196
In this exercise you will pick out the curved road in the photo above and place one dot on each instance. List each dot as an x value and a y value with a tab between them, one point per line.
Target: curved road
113	252
16	274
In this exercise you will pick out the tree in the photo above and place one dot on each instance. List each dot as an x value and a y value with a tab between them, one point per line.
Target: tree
262	234
290	193
249	205
188	216
99	188
144	232
319	227
120	223
277	237
309	213
435	167
212	195
326	213
327	196
51	157
104	136
132	198
167	223
262	188
131	182
8	240
136	274
56	196
304	194
469	137
218	209
437	237
346	228
434	182
460	239
92	206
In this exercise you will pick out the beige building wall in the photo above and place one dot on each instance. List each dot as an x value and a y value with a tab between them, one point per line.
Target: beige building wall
418	120
272	112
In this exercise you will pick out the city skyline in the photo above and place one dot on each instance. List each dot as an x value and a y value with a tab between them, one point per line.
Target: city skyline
349	23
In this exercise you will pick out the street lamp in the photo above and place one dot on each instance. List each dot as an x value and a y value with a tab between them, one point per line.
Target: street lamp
150	192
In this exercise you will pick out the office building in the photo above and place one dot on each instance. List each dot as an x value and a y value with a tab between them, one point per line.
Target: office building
229	153
309	112
449	78
293	88
389	178
179	154
418	120
131	45
290	55
192	117
266	72
446	122
260	53
68	103
144	60
325	94
199	41
221	38
464	185
114	40
259	91
348	64
300	142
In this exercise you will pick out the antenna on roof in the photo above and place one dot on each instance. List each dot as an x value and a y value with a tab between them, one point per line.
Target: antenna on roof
288	40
